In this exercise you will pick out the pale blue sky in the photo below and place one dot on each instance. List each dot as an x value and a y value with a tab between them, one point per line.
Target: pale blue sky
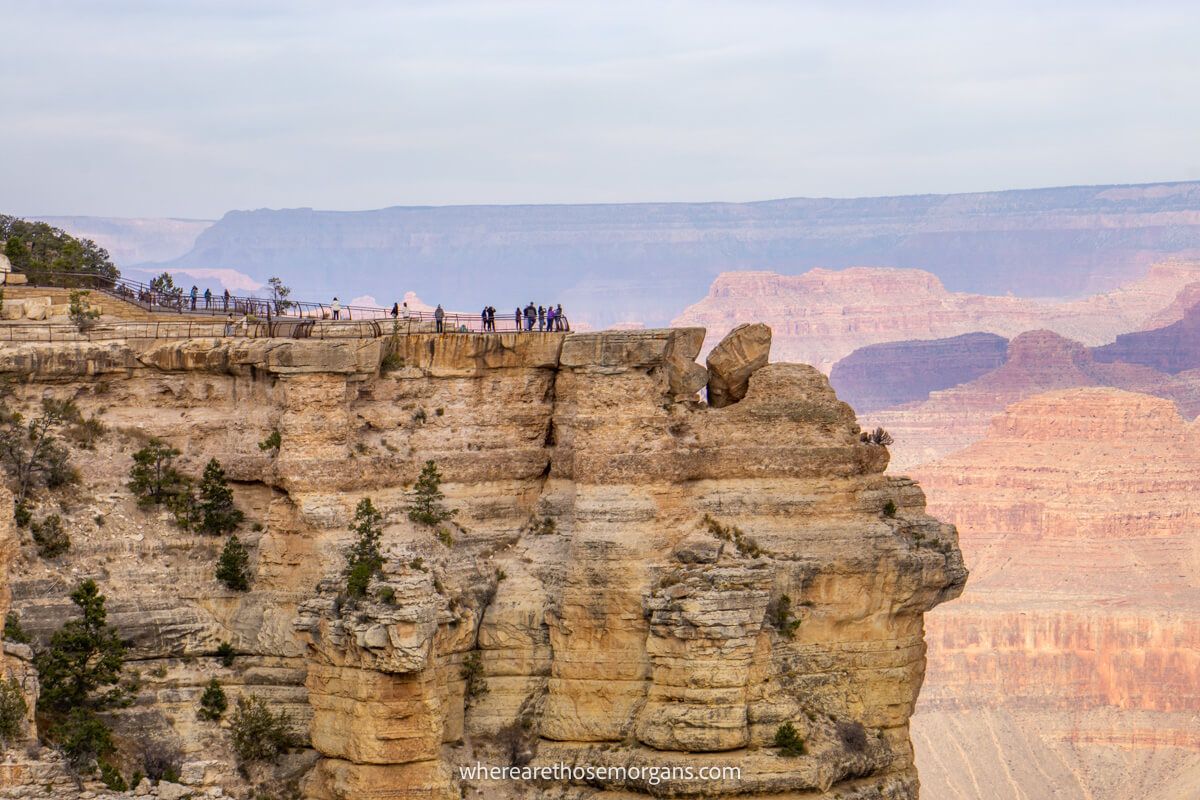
174	108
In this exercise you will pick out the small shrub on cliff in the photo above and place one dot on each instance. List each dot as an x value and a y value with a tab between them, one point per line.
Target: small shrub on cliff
259	734
788	741
51	540
31	451
213	702
472	675
387	595
13	631
233	566
878	437
153	478
82	315
161	761
425	504
110	776
86	432
83	738
217	512
12	711
745	545
852	735
889	509
781	617
272	442
363	557
225	653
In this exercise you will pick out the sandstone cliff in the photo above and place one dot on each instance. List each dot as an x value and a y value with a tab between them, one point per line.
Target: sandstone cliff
1072	659
823	315
632	578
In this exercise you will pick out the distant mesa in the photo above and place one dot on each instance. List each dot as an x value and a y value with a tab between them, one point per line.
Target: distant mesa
646	261
882	375
823	315
1037	361
1172	349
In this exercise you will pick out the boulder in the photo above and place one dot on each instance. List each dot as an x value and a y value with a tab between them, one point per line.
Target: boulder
742	352
36	307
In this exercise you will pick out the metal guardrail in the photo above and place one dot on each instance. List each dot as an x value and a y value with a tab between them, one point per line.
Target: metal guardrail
180	302
187	329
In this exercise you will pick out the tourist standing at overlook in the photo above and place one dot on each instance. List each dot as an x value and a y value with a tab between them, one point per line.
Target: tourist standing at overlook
558	318
550	318
207	299
395	310
483	320
518	318
225	307
337	308
530	315
541	312
195	291
439	317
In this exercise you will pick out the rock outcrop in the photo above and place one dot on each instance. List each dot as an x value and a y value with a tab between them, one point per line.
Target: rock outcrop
879	376
1073	659
742	352
632	578
824	315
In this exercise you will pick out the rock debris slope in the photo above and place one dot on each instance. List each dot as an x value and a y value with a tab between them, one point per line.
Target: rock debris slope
632	578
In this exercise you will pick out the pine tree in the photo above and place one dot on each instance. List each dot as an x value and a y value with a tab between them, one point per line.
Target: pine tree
213	702
233	566
153	478
364	558
85	656
425	505
217	512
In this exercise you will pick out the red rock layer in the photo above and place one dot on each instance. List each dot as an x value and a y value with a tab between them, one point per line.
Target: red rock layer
1173	348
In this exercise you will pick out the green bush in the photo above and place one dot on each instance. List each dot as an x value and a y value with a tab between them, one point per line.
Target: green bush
472	675
387	595
13	631
213	702
889	508
788	741
82	737
425	503
259	734
226	654
272	442
781	616
82	316
41	251
233	567
111	778
745	545
12	711
51	540
31	452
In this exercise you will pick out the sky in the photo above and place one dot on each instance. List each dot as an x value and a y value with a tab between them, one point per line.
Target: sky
190	109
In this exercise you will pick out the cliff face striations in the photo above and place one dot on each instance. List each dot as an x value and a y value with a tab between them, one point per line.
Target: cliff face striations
1072	659
630	578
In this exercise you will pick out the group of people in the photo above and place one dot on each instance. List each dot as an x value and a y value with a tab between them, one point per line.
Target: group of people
543	318
547	318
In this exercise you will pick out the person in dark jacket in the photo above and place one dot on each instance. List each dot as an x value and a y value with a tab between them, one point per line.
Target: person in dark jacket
541	312
225	307
439	317
207	299
518	318
559	320
395	310
530	315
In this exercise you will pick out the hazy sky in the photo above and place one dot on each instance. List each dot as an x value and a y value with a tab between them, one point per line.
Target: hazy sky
175	108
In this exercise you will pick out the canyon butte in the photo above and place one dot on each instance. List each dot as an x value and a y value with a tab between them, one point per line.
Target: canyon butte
631	576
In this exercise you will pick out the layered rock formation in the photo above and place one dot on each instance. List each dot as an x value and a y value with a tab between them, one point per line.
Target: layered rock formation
632	578
1037	361
882	375
1072	662
823	315
1173	348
